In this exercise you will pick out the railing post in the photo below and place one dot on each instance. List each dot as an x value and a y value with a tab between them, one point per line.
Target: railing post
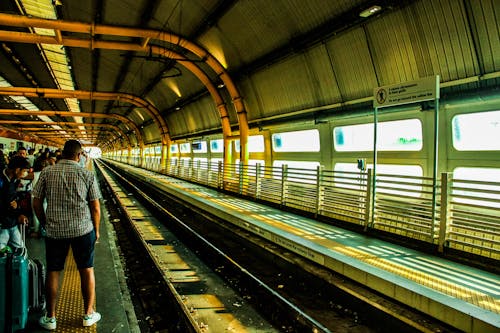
319	191
240	177
177	166
257	181
190	172
446	184
197	171
284	171
369	201
220	175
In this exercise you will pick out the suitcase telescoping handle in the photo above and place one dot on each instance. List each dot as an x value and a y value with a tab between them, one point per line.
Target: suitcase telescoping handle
22	230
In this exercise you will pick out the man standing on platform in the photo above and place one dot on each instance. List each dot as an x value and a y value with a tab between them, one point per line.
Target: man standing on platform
72	219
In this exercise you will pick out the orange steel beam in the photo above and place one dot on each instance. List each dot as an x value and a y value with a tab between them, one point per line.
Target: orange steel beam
59	123
17	135
91	30
74	42
91	95
15	112
42	132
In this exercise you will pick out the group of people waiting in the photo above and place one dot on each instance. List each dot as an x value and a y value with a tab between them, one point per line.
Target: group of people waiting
65	203
24	185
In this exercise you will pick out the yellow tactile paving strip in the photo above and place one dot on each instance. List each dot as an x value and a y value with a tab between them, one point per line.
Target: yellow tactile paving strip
70	301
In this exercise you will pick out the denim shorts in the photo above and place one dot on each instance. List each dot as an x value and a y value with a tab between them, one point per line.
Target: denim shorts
56	251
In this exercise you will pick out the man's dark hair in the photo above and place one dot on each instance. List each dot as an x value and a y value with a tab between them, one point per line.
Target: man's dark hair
18	162
21	148
71	149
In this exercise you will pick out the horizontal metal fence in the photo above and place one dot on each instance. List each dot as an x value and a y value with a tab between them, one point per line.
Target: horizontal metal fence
404	205
473	216
458	214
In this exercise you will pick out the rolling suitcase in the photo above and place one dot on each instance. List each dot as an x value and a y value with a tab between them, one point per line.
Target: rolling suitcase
14	297
21	288
36	273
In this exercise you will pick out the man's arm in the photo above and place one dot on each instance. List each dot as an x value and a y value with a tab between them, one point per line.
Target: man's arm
39	211
95	212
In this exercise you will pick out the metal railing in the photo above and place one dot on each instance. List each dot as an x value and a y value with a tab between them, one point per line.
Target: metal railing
466	215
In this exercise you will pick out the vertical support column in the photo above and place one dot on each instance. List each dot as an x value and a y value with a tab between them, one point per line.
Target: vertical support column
319	190
142	163
198	171
446	184
220	176
129	155
284	176
435	168
369	201
257	181
241	173
164	157
374	174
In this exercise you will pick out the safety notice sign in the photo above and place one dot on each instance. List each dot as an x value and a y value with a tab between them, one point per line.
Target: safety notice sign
408	92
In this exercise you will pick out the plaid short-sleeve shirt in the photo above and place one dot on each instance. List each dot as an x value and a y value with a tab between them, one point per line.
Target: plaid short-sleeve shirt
68	189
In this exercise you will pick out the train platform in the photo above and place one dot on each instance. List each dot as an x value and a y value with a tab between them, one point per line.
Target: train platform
112	296
464	297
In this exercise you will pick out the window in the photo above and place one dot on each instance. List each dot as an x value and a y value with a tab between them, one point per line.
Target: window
214	163
157	150
199	147
200	162
252	166
476	131
399	135
255	144
393	170
296	175
185	147
174	148
479	190
296	141
217	146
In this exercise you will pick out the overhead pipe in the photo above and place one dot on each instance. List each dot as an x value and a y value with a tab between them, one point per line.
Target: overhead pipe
192	67
16	112
61	123
90	95
12	134
42	131
146	34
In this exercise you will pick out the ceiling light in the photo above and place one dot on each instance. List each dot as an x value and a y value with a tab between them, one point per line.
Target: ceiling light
370	11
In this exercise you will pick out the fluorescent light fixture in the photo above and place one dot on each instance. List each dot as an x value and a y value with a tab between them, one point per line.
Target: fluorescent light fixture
370	11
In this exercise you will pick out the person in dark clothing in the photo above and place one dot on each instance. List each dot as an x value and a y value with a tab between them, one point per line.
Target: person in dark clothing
10	214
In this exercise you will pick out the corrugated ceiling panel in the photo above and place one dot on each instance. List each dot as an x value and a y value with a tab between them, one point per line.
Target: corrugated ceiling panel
181	17
391	49
326	89
194	118
119	12
109	66
307	15
486	22
263	26
446	35
352	65
253	28
150	133
284	87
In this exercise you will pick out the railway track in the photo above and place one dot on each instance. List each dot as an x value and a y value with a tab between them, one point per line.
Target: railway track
290	293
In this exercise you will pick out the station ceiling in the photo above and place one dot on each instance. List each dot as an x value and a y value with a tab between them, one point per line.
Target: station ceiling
177	69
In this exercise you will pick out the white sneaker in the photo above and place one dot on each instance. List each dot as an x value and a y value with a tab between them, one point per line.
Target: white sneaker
48	323
91	319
